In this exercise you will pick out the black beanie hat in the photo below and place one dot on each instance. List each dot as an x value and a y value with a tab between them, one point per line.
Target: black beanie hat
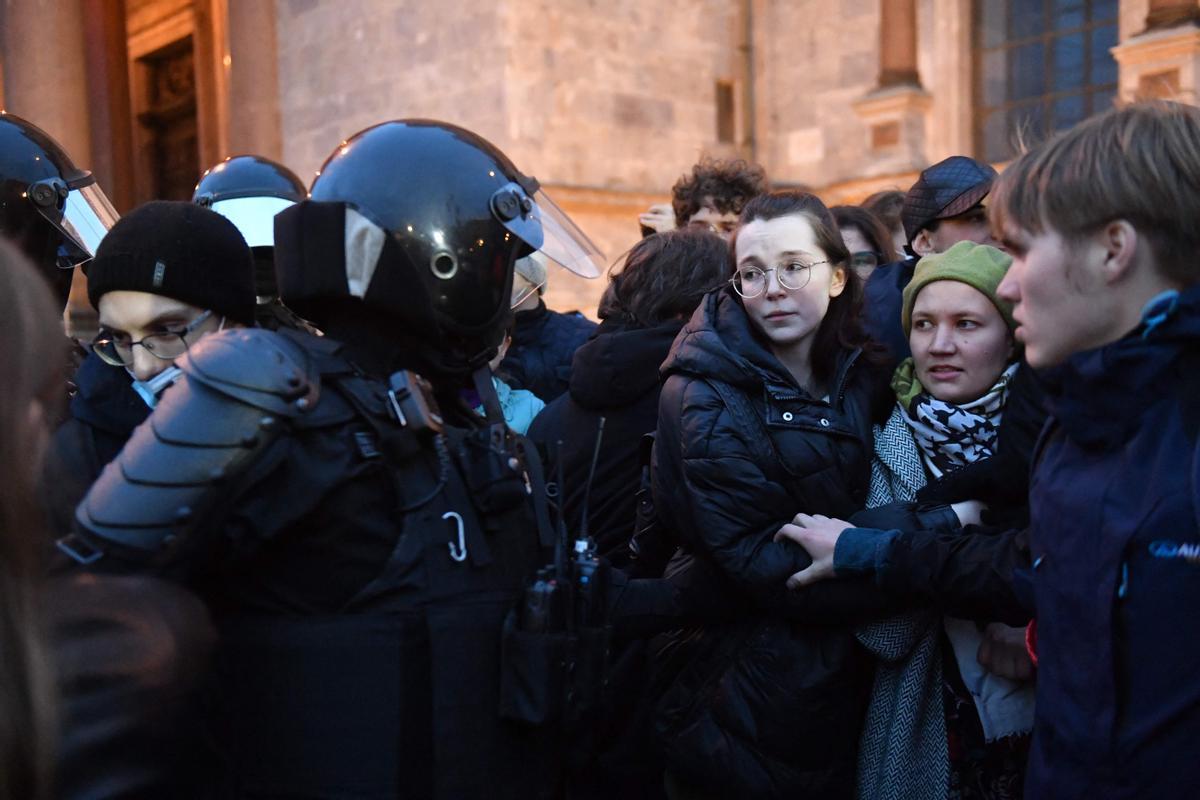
179	250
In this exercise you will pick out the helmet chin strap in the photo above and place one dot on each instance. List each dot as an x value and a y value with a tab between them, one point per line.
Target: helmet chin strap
487	395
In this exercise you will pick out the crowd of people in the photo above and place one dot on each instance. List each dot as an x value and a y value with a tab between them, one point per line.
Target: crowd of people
896	500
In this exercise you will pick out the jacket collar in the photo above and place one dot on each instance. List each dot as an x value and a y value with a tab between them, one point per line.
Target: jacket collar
719	342
1099	395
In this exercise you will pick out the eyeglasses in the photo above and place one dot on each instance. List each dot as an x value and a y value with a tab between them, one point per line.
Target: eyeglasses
750	282
168	345
722	228
865	258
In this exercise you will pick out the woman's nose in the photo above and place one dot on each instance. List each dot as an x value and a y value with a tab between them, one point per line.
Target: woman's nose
943	340
774	287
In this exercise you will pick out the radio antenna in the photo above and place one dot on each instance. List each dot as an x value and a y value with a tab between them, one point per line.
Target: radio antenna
587	489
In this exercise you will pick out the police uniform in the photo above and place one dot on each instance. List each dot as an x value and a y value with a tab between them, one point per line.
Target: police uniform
359	534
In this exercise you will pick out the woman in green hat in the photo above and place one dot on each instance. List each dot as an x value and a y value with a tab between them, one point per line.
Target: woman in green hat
940	723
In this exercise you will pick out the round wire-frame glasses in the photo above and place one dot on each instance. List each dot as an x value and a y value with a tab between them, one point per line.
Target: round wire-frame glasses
750	282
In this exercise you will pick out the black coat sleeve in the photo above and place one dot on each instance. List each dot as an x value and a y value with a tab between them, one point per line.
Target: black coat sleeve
977	574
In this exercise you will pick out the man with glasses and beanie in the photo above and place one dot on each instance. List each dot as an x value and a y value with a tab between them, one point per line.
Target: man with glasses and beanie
165	275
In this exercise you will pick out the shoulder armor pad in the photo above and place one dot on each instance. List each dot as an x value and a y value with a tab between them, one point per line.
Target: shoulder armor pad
175	472
258	367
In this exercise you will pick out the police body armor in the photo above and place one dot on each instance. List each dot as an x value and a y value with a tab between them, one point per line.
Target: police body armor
360	557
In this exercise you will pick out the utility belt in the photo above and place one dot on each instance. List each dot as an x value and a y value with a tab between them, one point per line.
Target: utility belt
493	497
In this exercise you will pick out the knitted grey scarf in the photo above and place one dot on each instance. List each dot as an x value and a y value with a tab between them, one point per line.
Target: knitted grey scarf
902	751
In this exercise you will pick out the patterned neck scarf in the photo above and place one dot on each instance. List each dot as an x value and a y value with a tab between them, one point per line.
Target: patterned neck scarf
950	436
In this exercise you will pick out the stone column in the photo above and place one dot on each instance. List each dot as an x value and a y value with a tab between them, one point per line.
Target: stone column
895	110
898	43
110	113
45	74
253	72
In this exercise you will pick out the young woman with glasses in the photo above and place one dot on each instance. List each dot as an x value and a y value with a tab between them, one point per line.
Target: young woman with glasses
767	408
866	238
165	275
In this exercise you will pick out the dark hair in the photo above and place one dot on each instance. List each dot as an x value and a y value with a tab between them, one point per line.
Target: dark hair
33	369
1138	163
841	329
665	276
870	226
730	184
886	205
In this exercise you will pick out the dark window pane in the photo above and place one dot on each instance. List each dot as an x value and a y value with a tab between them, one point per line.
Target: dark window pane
1069	65
1068	111
996	145
1104	66
1104	10
1028	65
994	75
1026	18
1102	100
993	16
1068	13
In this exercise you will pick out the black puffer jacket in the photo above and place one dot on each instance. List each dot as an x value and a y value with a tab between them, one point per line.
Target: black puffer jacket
771	705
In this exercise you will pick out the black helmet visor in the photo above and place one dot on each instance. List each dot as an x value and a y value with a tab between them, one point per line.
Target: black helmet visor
80	212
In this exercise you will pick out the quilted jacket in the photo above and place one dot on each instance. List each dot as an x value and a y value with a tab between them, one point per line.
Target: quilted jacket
771	704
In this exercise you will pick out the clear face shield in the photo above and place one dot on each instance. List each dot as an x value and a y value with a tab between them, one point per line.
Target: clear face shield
253	216
537	220
79	211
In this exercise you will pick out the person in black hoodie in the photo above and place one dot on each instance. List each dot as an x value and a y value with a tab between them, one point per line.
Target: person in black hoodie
614	376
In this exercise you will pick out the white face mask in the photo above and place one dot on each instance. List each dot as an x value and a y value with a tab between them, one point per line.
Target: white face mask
150	390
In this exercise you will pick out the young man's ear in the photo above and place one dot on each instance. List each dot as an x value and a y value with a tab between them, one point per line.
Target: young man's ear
1119	243
922	243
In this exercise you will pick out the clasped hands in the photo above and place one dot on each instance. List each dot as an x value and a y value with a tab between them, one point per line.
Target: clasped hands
818	535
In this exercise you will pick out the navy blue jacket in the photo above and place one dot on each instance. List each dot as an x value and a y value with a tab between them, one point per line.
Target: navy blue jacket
1115	504
104	410
543	344
883	300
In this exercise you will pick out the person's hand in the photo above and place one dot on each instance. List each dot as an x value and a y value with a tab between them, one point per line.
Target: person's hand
660	218
1002	652
818	535
970	512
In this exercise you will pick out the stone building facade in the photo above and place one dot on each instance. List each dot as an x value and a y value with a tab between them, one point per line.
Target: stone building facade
606	102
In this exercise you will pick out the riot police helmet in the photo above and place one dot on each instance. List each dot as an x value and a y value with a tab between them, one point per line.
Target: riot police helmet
249	191
423	215
54	211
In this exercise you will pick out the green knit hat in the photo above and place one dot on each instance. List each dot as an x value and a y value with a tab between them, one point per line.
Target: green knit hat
977	265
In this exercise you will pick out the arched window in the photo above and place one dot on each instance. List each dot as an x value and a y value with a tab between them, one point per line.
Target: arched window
1041	66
